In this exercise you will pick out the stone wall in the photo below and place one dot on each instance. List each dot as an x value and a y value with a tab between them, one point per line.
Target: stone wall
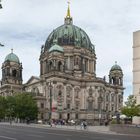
125	129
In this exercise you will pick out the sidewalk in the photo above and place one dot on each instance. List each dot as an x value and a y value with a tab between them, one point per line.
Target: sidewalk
99	129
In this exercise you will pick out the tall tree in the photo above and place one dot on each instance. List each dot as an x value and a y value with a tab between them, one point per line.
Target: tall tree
26	107
2	107
10	106
131	101
131	109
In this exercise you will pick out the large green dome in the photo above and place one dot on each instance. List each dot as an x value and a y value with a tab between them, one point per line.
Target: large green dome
69	34
12	58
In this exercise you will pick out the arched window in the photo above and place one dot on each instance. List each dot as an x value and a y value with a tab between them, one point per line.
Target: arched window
107	97
120	98
76	93
41	67
90	106
59	66
14	73
68	116
76	116
86	65
76	105
114	80
112	98
66	63
60	93
77	61
50	65
35	91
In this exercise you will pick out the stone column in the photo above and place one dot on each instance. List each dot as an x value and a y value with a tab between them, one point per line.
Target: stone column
65	96
68	62
82	99
88	70
73	106
93	67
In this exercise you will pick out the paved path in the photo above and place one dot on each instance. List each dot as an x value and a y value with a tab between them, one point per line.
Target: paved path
41	132
99	129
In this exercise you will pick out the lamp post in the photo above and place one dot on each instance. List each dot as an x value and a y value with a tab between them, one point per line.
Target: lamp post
100	108
118	117
0	5
1	45
50	113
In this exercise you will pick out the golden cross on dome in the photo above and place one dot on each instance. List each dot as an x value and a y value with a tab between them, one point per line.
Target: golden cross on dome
12	50
68	11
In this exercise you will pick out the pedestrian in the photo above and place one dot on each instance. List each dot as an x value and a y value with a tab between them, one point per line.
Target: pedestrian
106	122
81	125
85	124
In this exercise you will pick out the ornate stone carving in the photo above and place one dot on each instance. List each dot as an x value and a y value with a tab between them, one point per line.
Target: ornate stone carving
76	91
68	91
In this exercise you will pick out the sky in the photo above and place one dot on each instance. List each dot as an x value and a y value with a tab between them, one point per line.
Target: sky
26	24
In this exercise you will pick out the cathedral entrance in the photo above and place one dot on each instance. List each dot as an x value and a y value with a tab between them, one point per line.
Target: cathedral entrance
68	116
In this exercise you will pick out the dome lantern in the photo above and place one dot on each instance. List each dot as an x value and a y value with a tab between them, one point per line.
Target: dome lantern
116	75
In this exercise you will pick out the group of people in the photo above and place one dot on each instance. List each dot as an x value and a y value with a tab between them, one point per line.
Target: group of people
83	124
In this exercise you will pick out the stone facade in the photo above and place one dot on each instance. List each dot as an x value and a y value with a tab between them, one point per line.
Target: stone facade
11	76
68	87
136	70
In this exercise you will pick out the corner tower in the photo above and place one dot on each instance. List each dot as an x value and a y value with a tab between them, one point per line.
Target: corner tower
11	74
116	75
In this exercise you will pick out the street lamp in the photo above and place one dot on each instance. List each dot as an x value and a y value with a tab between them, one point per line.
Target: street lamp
50	113
100	108
0	5
1	45
118	117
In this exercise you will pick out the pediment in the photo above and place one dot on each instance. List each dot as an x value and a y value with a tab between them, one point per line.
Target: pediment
33	80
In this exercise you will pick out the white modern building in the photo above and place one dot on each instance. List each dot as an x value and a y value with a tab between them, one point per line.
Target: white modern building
136	70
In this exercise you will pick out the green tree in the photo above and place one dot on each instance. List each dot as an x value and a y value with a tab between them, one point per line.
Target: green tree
131	101
131	109
25	107
10	106
2	107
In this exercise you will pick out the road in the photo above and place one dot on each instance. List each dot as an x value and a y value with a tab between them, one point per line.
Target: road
8	132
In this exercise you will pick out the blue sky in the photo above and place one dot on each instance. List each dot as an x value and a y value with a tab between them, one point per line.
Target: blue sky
26	24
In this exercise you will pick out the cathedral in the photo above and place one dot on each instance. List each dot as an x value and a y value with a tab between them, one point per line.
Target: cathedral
67	87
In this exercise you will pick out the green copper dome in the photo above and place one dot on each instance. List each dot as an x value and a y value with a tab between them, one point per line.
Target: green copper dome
116	67
56	48
12	58
69	34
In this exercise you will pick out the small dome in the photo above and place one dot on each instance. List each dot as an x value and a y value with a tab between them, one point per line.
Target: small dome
12	58
116	67
56	48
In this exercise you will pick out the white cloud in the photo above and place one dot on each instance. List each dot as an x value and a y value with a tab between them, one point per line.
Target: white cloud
25	25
